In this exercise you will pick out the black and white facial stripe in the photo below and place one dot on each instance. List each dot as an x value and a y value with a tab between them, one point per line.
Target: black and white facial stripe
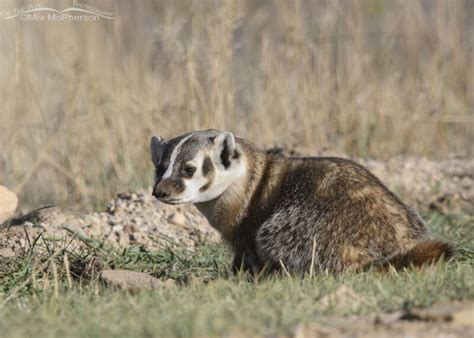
196	166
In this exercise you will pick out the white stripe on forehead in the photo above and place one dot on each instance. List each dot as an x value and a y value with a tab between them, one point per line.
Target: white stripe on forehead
174	154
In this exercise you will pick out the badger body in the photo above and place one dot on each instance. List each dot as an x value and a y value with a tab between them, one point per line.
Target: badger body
322	213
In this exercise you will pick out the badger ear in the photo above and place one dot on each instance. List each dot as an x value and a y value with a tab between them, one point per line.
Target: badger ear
156	145
225	142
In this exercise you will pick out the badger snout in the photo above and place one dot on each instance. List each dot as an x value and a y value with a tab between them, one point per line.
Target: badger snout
160	194
168	191
161	191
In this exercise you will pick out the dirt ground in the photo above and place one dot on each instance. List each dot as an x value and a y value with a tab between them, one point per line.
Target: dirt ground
440	321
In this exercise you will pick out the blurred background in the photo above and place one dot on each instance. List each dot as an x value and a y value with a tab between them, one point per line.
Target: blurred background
370	78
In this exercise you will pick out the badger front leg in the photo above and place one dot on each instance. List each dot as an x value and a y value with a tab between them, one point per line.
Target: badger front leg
252	264
246	262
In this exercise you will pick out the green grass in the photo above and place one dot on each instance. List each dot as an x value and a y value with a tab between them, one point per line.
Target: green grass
207	299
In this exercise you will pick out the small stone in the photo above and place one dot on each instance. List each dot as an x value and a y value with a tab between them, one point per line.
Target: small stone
111	208
464	316
169	283
132	280
177	218
8	204
124	196
6	253
129	228
92	219
137	220
117	227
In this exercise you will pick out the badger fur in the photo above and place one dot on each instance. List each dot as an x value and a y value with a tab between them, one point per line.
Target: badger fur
323	213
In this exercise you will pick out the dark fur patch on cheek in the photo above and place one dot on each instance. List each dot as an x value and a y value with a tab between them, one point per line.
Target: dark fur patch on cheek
208	172
207	167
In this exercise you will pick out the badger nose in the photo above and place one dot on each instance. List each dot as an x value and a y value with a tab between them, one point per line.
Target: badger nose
160	193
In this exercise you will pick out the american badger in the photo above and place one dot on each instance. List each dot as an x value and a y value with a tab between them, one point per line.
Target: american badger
322	213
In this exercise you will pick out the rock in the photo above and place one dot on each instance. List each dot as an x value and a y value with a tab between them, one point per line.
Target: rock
464	316
132	280
129	228
177	218
169	283
461	315
117	227
8	204
92	219
6	253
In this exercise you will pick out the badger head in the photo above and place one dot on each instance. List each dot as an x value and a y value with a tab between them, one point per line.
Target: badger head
195	167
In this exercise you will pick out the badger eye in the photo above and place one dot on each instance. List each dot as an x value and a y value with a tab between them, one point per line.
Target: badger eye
189	170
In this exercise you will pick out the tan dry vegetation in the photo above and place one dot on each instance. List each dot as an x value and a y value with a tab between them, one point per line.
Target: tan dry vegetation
371	78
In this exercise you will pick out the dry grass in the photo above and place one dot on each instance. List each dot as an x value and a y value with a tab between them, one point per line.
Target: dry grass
80	100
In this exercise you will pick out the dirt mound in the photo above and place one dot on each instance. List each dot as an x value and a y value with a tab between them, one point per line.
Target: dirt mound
446	186
130	219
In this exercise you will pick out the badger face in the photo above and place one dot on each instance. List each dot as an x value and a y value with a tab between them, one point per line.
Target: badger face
195	167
